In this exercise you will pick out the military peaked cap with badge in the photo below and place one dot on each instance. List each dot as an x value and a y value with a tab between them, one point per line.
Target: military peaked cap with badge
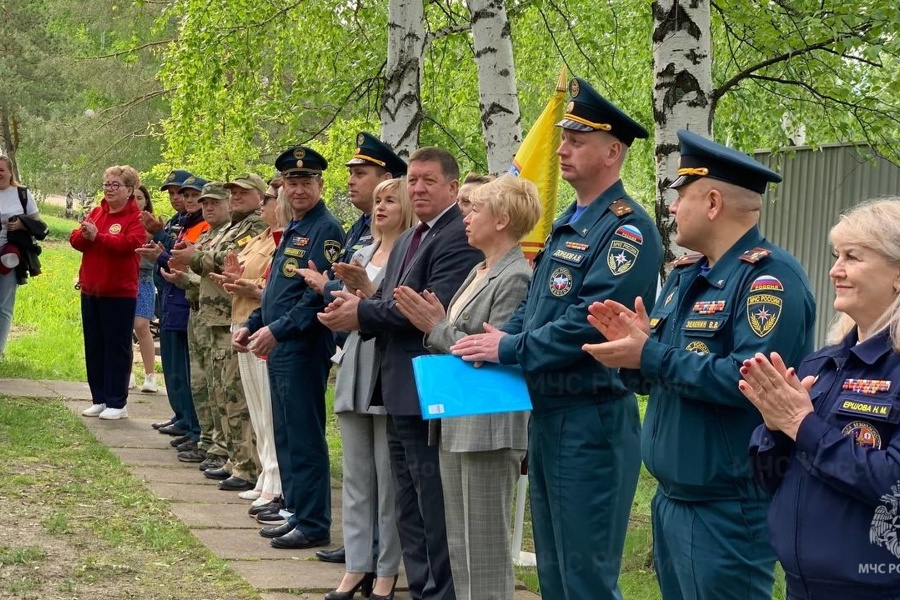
300	161
248	181
372	151
175	179
589	111
214	190
701	157
193	183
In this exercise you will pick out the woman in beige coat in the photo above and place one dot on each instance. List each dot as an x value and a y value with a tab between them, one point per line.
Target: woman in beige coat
481	456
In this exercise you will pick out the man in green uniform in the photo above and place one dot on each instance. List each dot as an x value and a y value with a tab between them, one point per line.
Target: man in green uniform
584	442
738	295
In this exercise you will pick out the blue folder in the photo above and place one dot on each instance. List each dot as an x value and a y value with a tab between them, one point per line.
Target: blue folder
448	386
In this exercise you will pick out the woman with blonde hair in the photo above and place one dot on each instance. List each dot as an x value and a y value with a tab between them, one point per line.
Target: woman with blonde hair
368	486
480	456
107	240
829	450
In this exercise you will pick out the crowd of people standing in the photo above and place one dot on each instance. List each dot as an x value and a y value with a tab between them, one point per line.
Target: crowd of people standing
261	291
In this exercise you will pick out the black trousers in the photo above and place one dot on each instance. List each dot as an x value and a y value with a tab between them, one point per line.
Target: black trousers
420	509
107	324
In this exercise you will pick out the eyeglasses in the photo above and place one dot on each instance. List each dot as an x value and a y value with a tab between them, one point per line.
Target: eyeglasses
111	185
269	197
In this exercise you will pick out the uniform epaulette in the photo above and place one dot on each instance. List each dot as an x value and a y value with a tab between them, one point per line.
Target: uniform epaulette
685	260
620	208
755	255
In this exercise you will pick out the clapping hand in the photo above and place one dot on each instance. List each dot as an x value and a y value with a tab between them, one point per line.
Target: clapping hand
423	311
777	392
88	230
354	277
313	278
151	251
626	331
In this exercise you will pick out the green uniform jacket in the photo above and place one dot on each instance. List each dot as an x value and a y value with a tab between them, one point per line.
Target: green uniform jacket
215	302
612	250
756	298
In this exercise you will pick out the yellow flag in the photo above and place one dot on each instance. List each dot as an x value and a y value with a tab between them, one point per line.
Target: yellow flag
537	162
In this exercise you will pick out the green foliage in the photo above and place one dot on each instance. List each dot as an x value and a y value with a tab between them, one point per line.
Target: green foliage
46	340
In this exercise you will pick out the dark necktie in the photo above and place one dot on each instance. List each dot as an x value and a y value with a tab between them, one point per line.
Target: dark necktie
421	228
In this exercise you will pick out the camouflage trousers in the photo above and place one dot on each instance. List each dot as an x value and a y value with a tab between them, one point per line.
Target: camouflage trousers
212	438
227	401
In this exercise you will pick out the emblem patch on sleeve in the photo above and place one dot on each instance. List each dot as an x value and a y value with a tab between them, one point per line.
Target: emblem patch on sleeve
630	232
766	283
621	257
560	282
763	311
332	250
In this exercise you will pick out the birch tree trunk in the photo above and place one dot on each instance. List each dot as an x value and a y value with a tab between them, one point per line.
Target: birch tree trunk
682	64
499	103
401	107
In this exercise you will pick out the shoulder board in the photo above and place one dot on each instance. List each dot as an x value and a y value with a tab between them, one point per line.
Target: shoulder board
620	208
685	260
755	255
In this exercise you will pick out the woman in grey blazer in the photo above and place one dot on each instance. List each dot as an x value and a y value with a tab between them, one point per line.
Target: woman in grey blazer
368	487
481	456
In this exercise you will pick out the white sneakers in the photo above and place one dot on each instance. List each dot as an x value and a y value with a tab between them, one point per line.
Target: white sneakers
109	414
94	410
149	383
112	414
249	495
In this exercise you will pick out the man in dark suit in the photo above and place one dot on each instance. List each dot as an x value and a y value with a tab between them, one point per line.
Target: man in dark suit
434	255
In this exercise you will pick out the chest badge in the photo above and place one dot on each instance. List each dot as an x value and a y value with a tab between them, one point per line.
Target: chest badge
763	311
708	307
300	241
698	347
560	282
577	246
289	268
866	386
115	228
621	257
864	434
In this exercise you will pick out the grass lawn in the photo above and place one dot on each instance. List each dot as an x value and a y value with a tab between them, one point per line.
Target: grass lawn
80	520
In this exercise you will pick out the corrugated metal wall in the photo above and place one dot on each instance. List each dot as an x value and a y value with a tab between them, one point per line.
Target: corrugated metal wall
817	187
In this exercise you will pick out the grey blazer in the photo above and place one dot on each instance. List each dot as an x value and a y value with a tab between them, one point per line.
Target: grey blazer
499	294
356	375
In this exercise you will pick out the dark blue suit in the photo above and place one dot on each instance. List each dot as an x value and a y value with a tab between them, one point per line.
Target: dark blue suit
442	262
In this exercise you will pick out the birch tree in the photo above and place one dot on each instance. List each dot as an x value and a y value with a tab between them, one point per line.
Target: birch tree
499	102
682	90
401	105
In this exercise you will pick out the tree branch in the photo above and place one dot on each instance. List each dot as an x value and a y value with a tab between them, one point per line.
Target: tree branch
130	50
747	72
446	31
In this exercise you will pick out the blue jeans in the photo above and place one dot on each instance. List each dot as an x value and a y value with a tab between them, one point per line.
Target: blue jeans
8	285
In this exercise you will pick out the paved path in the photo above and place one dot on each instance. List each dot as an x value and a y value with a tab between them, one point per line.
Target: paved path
218	519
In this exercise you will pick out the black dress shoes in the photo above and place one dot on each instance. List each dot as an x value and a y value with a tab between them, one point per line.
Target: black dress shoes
338	555
274	532
365	584
172	429
235	484
219	473
162	423
296	540
275	505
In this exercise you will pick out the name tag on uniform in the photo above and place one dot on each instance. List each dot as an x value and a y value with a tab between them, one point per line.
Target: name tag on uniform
703	324
243	241
295	252
876	410
567	256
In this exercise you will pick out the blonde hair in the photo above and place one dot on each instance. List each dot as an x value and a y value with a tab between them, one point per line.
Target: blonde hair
283	212
407	217
128	174
12	172
875	225
511	196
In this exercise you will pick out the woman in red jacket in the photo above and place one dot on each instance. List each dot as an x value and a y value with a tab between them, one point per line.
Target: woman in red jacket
107	239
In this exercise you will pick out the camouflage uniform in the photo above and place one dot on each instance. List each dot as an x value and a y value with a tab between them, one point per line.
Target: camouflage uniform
226	393
212	437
